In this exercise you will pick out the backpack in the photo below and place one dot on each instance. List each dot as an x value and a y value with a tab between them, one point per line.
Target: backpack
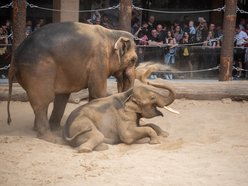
185	52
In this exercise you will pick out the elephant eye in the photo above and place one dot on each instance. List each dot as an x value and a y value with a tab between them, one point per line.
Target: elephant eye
132	61
153	97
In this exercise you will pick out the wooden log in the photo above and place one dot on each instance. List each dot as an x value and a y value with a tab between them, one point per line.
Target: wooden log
187	89
212	91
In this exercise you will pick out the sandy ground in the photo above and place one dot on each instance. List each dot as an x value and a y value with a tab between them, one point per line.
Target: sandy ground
208	145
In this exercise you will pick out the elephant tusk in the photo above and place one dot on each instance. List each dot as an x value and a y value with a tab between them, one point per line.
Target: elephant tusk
171	110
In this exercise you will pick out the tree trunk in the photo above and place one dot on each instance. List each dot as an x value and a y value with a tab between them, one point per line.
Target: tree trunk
125	15
226	56
19	23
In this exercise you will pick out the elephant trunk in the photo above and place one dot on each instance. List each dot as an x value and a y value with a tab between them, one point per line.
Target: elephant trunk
129	78
125	79
172	94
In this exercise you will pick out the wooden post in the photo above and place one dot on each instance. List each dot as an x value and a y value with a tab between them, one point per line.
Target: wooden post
60	16
125	15
19	23
226	56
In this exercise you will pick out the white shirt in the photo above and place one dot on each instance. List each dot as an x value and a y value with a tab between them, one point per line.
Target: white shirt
241	37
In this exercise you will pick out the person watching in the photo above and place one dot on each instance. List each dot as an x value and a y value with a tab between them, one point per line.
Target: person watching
154	40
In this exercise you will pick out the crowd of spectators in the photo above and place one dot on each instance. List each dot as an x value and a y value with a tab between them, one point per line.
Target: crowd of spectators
101	19
6	40
176	39
199	33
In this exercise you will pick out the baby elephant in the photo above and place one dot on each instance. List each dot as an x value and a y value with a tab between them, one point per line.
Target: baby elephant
116	118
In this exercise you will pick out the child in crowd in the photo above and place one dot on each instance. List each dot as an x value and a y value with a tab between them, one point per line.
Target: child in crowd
142	33
185	52
169	57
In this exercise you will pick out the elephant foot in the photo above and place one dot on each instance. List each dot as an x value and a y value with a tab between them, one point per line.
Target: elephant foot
164	134
154	141
35	128
143	141
101	147
54	126
47	136
84	150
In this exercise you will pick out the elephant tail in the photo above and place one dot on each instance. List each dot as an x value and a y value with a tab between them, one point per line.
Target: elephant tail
71	139
11	75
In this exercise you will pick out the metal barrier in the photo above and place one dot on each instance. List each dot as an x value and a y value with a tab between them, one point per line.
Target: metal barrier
5	58
202	62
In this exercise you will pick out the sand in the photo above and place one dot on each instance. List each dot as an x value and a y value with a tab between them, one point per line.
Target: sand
208	145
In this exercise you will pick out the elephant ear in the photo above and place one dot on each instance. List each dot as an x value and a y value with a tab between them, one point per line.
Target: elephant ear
132	105
121	46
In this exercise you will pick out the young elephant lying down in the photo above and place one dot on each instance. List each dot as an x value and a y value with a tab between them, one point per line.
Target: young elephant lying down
116	118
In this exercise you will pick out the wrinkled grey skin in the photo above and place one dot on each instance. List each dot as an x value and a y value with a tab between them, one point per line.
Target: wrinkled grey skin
62	58
116	118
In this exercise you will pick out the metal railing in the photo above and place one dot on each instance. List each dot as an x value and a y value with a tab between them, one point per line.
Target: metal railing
202	62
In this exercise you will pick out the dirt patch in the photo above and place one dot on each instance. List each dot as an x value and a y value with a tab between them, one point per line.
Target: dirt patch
207	145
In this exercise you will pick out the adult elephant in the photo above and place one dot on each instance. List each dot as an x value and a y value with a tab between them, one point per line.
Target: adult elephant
62	58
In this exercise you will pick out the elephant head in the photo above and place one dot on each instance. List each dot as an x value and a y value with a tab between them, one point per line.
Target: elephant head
125	51
145	99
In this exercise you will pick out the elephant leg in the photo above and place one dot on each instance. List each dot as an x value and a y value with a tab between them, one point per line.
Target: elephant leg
95	139
157	129
60	102
38	117
111	141
101	147
41	124
40	104
39	85
40	121
97	86
133	134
